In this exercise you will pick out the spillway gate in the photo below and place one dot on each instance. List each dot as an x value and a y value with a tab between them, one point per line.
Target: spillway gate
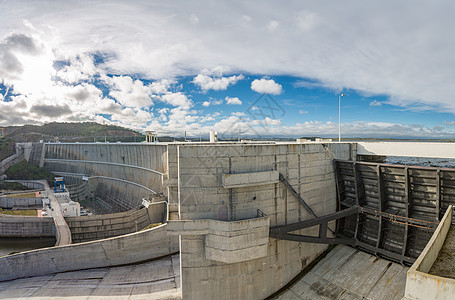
387	210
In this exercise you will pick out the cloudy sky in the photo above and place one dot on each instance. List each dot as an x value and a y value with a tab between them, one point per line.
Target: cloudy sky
258	68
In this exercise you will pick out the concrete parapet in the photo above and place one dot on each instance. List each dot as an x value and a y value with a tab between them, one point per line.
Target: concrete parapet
415	149
420	284
127	249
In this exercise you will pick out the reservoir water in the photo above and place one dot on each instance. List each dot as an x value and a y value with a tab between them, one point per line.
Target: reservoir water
9	245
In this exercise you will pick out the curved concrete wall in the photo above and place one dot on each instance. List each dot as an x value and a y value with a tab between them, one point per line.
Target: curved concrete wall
90	168
136	162
127	249
148	156
18	226
91	228
117	195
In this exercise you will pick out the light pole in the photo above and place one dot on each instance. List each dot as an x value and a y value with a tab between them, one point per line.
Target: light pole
339	116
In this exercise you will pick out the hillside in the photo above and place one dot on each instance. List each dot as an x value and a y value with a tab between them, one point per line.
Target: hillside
65	132
72	132
27	171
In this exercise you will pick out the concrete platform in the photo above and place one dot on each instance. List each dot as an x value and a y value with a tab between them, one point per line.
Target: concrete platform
157	279
347	273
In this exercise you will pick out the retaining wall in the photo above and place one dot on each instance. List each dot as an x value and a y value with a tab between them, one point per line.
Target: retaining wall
10	202
201	195
420	284
18	226
97	227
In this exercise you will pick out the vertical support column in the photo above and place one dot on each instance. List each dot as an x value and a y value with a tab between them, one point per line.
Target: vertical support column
337	184
358	197
380	206
43	155
438	193
407	192
231	215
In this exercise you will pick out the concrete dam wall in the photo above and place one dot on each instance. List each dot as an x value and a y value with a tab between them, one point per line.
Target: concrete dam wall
223	186
217	190
139	163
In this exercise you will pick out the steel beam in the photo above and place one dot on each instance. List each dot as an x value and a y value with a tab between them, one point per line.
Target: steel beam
316	221
358	196
313	239
291	189
438	193
407	196
380	207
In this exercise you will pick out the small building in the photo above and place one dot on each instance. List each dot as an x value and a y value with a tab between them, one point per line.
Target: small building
71	209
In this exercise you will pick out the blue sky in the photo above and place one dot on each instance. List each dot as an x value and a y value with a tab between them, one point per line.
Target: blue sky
199	66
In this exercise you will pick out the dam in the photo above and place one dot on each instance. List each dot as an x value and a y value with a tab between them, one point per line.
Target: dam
241	220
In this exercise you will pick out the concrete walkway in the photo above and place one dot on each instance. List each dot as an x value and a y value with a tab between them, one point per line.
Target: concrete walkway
157	279
63	231
347	273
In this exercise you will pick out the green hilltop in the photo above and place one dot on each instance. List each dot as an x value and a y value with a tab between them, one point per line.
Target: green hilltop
65	132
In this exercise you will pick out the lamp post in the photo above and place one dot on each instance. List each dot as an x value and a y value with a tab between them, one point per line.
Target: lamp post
339	116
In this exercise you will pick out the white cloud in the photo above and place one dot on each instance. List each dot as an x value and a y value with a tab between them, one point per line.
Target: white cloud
303	112
194	19
179	100
129	92
266	86
212	101
306	20
80	68
395	56
273	25
206	82
375	103
233	100
161	86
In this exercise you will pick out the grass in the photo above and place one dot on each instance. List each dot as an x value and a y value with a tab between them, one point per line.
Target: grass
25	195
25	212
151	226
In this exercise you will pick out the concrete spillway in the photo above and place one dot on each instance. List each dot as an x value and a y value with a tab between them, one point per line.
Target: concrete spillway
223	201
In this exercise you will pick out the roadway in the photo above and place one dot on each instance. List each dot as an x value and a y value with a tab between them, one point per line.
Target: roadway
63	231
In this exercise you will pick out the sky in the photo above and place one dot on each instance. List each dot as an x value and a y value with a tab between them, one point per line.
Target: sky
242	68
